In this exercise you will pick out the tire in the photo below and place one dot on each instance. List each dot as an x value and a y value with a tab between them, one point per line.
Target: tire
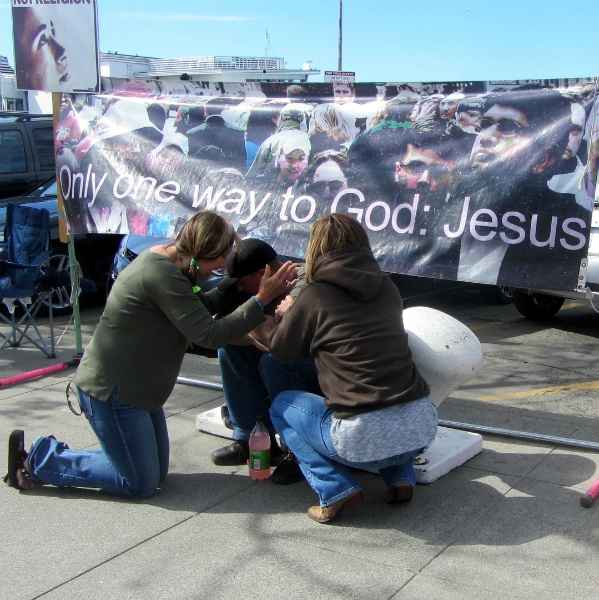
61	296
539	307
497	294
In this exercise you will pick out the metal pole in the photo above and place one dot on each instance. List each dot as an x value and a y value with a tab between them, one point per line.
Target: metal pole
340	53
523	435
265	48
196	383
75	296
56	102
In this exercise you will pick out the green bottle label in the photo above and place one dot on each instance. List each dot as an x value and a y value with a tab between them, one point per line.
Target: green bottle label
259	459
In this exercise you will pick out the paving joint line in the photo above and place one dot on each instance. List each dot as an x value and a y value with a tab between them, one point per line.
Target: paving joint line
530	362
140	543
473	522
104	562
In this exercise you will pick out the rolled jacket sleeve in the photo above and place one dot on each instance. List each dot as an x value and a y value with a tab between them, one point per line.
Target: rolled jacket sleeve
188	313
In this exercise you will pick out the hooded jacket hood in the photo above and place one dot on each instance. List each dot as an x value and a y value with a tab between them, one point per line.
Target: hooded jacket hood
352	268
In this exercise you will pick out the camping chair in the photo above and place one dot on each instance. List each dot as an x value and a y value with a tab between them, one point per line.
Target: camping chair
25	248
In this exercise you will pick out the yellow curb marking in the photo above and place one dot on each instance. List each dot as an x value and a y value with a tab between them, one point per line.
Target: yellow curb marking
494	323
572	305
508	319
573	387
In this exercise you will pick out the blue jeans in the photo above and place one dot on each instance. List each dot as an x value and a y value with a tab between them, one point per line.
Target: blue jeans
252	377
303	420
133	459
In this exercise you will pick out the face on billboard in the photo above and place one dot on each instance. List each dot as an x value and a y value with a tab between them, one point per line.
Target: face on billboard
469	120
381	91
422	169
504	133
578	120
328	180
447	108
292	165
39	55
343	93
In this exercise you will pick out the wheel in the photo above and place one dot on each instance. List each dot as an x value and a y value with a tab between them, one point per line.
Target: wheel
540	307
60	296
497	294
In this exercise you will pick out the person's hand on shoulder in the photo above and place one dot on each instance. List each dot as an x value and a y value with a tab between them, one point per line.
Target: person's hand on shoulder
284	305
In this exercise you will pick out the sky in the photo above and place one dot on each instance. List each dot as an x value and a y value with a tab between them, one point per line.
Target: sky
383	40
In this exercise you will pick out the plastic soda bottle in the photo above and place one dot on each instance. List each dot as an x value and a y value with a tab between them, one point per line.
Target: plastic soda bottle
259	443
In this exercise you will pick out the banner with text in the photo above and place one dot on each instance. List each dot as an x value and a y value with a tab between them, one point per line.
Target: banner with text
485	182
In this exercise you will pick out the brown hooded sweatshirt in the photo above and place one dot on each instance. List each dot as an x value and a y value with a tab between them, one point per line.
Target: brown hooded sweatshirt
350	320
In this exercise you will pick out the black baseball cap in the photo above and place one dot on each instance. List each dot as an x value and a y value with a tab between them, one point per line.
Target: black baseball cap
253	256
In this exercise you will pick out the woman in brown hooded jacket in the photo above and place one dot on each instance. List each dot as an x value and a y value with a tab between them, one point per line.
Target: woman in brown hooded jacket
375	412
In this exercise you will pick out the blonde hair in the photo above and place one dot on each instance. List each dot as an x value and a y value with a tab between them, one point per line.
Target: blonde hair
333	233
206	236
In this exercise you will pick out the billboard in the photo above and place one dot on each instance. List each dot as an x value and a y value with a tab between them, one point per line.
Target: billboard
56	45
469	181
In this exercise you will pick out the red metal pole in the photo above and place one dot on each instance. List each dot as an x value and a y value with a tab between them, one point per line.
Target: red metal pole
587	499
38	373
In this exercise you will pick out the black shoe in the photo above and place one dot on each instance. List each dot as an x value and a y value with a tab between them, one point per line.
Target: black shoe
277	454
235	454
225	416
288	471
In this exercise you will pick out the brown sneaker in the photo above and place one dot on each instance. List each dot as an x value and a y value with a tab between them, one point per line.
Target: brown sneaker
325	514
400	492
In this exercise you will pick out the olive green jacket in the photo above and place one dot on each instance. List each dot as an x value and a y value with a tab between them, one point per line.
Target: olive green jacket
142	336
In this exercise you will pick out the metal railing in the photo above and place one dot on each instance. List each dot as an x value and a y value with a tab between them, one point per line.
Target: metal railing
179	65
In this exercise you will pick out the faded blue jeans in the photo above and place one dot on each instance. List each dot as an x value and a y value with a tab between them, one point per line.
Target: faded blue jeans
252	377
133	459
303	420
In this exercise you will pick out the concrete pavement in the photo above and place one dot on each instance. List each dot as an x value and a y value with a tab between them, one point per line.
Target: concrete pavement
507	524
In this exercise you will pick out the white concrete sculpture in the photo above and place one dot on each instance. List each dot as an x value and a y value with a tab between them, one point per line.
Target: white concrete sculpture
445	351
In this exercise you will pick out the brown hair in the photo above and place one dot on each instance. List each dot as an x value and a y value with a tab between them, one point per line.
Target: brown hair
206	236
333	233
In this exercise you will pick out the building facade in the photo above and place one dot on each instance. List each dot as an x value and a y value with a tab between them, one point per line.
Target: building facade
204	69
11	99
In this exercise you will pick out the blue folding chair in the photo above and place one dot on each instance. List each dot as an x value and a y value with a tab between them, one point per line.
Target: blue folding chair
24	250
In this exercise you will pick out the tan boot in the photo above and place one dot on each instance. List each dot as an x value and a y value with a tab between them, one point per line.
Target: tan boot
324	514
400	492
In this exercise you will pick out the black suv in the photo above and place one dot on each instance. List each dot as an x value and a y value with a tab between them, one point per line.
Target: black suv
26	152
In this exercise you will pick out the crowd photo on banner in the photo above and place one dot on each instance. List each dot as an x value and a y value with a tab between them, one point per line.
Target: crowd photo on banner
486	182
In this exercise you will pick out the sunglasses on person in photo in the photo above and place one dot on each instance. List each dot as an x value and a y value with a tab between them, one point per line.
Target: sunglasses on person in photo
320	187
